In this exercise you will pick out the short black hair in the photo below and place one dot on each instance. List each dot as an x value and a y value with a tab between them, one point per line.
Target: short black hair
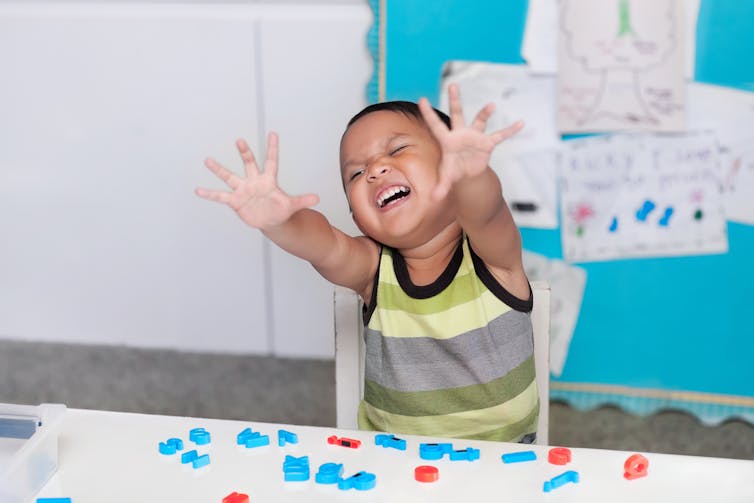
407	108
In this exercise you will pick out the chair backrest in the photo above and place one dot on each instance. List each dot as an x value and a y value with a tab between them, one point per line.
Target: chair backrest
349	356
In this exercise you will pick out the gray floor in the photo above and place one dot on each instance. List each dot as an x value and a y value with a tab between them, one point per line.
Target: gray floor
296	392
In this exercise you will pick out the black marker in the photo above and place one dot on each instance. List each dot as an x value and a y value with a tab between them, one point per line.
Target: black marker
528	207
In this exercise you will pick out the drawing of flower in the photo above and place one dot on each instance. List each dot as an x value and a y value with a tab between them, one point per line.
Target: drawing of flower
580	214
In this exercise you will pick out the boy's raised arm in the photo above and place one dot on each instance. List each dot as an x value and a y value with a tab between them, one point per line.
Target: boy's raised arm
467	181
289	222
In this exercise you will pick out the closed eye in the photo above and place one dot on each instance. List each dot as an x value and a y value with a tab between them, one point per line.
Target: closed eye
355	174
398	149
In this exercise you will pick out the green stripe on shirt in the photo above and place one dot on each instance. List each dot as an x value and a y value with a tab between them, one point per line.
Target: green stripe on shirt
449	401
518	416
466	288
438	325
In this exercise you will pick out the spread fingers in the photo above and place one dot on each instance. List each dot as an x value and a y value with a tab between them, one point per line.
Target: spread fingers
223	174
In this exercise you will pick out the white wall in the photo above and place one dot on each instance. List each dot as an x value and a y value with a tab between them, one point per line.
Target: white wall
106	113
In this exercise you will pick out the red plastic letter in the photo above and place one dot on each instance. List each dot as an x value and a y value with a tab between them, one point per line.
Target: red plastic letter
559	456
426	473
636	466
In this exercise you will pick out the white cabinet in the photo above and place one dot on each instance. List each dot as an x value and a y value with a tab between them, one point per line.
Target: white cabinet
106	114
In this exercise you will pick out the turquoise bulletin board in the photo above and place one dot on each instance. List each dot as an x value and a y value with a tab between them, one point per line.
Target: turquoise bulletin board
653	333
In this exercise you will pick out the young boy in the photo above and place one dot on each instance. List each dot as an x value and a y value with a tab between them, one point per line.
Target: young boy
449	349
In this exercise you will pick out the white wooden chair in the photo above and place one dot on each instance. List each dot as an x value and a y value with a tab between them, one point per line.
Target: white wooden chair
349	356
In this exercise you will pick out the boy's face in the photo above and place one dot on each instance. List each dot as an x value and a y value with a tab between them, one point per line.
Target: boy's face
388	164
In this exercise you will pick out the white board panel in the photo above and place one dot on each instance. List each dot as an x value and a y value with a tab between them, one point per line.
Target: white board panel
105	123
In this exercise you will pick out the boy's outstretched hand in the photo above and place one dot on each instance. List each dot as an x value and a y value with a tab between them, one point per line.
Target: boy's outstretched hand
257	198
466	150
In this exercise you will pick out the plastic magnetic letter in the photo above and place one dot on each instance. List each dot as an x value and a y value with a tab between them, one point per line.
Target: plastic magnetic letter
296	469
468	454
344	442
189	457
200	461
200	436
235	497
329	473
519	457
636	467
434	451
390	441
171	446
559	456
563	478
426	473
361	481
286	437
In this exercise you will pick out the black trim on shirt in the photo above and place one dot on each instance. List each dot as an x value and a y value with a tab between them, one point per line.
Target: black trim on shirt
442	282
367	310
496	288
432	289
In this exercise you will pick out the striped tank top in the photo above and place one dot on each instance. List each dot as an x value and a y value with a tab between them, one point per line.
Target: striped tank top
454	358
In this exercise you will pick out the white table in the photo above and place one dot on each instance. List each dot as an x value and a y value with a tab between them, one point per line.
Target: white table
113	457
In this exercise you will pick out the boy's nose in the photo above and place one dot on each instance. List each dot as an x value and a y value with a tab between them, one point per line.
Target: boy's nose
377	169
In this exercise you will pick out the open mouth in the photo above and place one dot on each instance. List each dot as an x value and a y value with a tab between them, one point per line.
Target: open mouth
392	195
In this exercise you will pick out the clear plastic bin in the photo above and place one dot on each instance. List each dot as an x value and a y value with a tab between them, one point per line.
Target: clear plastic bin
28	449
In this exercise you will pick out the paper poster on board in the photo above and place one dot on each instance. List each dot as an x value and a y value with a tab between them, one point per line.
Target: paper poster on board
621	66
642	196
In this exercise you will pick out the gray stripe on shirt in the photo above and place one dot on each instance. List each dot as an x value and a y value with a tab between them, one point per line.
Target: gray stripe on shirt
426	364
